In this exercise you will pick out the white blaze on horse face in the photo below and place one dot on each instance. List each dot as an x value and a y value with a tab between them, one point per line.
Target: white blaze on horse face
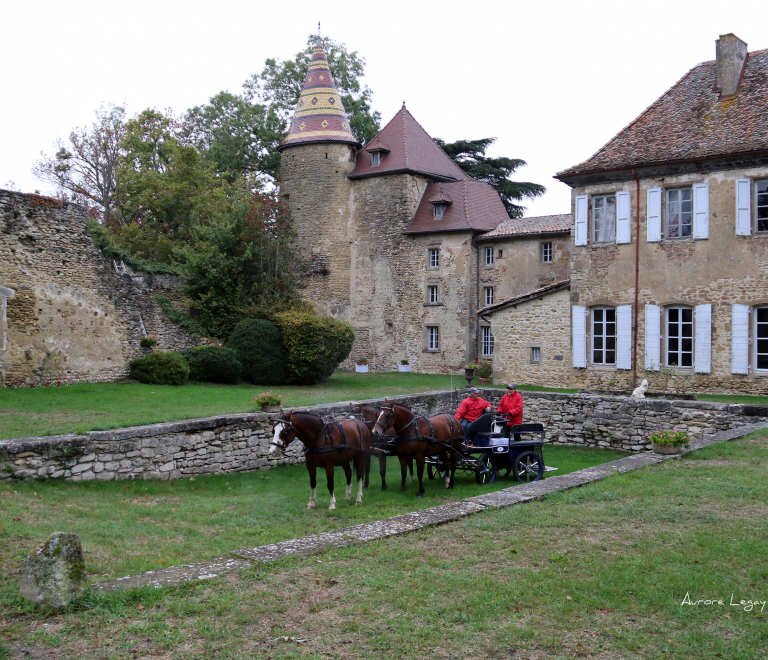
380	422
277	443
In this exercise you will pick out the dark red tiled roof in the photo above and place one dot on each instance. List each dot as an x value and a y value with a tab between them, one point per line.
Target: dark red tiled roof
525	297
410	150
475	206
689	122
544	224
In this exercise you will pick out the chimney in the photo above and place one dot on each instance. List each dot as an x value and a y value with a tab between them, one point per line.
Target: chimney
731	56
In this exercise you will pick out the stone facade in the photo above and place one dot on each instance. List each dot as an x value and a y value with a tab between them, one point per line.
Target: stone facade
68	314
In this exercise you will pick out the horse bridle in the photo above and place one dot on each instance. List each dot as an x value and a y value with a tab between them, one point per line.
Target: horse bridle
287	424
384	426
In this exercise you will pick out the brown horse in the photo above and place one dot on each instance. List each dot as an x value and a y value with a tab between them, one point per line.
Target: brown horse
328	443
419	437
367	414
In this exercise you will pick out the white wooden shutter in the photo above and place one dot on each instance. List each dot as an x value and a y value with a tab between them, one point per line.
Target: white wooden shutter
652	337
624	337
702	361
743	212
739	339
579	326
701	211
623	218
653	221
582	212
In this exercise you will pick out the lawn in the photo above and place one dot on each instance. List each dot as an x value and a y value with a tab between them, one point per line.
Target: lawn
598	571
85	407
135	526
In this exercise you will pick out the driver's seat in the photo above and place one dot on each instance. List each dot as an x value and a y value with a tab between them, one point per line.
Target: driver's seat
482	425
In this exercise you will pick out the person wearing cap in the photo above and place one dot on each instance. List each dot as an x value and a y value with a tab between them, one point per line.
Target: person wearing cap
471	408
511	405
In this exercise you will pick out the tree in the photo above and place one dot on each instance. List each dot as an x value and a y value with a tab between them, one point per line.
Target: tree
279	86
86	170
470	156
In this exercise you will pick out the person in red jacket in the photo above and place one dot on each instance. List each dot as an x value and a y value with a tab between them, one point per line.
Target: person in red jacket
471	408
511	405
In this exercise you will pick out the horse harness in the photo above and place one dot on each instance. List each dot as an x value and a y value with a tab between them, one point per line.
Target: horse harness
420	436
328	433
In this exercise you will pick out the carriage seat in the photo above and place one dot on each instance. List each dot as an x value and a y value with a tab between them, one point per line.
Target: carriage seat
482	425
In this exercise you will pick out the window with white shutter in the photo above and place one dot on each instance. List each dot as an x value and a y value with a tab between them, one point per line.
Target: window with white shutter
743	208
740	339
652	337
701	211
703	346
603	336
653	210
761	339
579	335
582	213
624	337
623	217
761	205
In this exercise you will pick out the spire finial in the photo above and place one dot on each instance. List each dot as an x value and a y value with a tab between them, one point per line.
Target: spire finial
319	42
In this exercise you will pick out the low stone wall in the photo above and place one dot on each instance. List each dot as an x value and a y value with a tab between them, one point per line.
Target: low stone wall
240	443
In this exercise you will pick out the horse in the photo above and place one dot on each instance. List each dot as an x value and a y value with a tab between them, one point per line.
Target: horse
328	443
367	415
419	437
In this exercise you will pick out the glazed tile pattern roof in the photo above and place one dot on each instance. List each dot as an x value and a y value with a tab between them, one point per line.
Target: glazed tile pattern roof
544	224
410	150
689	122
525	297
475	207
320	115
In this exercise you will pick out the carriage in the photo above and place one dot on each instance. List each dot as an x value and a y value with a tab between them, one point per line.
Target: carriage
490	453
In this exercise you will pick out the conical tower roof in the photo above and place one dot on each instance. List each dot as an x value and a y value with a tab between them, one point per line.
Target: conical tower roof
320	115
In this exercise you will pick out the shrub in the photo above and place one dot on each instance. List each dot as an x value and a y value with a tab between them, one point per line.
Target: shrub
260	350
213	363
160	369
315	345
148	342
268	399
673	438
485	370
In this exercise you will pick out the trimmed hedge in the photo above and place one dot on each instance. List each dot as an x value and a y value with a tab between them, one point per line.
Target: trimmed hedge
260	350
160	369
213	363
315	345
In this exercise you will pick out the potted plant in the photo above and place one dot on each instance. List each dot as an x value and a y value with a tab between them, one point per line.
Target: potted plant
668	442
469	371
269	401
148	342
405	365
484	371
362	366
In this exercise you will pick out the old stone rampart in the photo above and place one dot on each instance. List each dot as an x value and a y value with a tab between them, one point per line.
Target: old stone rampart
240	443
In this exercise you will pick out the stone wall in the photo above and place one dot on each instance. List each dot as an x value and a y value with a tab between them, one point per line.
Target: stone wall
240	443
71	317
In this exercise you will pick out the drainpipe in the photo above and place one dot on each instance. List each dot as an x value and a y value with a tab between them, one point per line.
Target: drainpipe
477	298
637	279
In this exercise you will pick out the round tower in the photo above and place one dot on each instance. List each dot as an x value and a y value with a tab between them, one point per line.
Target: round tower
315	158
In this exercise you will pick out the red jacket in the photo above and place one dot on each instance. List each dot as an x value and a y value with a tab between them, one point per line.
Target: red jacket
470	409
512	405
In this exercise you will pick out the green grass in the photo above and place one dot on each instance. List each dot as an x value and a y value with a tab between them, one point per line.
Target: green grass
734	398
134	526
598	571
79	408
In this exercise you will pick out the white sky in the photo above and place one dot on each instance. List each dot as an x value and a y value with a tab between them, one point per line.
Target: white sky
553	81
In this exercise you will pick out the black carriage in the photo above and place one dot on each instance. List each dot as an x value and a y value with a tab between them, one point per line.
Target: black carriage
490	453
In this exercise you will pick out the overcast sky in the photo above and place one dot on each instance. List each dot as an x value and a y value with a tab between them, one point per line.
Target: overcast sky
553	81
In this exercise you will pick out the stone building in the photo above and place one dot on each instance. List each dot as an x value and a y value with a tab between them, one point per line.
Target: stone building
393	232
669	266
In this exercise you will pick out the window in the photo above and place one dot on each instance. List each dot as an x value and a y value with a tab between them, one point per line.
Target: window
761	205
679	213
434	257
604	219
535	354
501	254
489	256
432	293
761	338
375	158
487	340
679	346
488	295
439	209
433	338
546	253
604	335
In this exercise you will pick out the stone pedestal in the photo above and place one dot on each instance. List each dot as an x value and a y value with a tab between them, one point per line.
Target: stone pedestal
55	574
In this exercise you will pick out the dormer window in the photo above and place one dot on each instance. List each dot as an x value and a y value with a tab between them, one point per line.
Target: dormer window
375	158
439	210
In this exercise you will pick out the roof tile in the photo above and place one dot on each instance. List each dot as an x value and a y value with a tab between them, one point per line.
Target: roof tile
544	224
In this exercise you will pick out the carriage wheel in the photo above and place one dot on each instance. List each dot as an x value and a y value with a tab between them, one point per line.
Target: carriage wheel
504	471
485	472
528	467
436	470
